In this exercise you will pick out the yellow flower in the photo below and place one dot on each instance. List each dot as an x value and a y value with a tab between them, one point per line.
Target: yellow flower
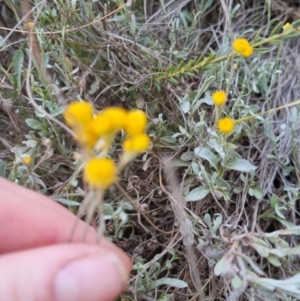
226	125
117	117
26	160
101	125
30	24
137	144
100	173
136	122
132	147
287	25
104	125
242	47
78	114
219	98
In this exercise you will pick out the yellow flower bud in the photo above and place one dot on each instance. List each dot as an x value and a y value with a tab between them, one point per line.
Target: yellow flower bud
242	47
78	114
30	24
287	25
219	98
226	125
26	160
136	122
100	173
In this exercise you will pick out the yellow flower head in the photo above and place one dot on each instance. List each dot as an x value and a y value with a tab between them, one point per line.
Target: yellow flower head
136	122
100	173
117	117
242	47
104	125
97	128
137	144
219	98
226	125
78	114
30	24
100	126
287	25
26	160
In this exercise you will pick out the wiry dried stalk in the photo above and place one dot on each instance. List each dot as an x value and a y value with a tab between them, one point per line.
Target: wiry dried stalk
184	225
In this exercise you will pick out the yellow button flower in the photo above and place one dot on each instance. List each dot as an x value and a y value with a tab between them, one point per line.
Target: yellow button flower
242	47
132	147
30	24
78	114
117	117
136	122
287	25
101	125
26	160
137	144
219	98
100	173
97	128
226	125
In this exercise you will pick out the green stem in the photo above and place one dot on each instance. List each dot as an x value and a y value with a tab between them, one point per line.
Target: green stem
224	57
294	103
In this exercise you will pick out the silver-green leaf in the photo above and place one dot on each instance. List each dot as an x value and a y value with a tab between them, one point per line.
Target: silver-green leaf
198	194
168	281
241	165
205	153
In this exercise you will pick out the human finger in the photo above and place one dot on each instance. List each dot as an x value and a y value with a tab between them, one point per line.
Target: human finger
30	220
77	272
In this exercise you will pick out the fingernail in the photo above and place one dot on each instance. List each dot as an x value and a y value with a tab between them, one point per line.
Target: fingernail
93	278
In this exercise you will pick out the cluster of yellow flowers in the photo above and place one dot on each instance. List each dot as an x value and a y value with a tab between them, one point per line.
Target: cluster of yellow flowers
244	48
225	125
219	98
95	132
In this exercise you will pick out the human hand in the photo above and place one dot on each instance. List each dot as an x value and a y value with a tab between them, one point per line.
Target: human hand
36	263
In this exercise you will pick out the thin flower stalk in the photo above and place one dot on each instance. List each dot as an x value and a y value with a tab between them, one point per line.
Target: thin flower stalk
226	125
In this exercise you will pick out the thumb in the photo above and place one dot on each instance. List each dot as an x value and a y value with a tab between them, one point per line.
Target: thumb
76	272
